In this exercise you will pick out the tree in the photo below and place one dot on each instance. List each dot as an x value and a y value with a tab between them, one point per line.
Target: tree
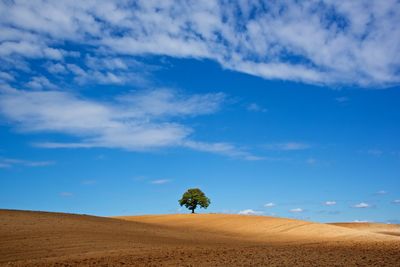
194	197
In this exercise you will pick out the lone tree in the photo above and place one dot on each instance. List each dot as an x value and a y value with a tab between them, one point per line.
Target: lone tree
193	197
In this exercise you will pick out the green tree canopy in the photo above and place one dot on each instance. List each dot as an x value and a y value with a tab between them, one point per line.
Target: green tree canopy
194	197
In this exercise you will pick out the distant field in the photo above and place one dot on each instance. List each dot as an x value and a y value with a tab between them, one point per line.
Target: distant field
380	228
57	239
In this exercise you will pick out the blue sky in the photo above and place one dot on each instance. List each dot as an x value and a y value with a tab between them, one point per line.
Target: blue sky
286	109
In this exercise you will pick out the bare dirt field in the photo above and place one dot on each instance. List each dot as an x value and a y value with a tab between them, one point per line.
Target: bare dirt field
30	238
380	228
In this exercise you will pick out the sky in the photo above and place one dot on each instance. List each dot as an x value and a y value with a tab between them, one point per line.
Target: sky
276	108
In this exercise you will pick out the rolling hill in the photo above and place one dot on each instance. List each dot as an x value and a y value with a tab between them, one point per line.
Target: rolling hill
29	238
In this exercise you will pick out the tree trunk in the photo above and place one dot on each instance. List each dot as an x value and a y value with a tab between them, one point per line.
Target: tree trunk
192	210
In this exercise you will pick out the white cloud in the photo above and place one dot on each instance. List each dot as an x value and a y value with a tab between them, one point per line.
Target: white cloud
381	192
6	76
56	68
296	210
269	205
396	201
39	83
362	205
330	203
250	212
360	221
361	46
137	121
160	181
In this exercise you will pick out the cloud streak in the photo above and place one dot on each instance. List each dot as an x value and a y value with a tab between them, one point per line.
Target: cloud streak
362	205
137	121
11	162
160	181
269	205
296	210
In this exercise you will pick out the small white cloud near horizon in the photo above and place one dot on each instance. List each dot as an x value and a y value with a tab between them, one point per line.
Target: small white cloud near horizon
381	192
296	210
160	181
250	212
360	221
362	205
270	205
396	201
330	203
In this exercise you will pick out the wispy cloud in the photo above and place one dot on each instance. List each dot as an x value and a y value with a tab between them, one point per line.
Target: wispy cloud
375	152
66	194
361	205
360	221
381	192
223	149
269	205
250	212
288	146
396	201
160	181
311	161
136	121
330	203
342	99
88	182
296	210
11	162
334	42
256	108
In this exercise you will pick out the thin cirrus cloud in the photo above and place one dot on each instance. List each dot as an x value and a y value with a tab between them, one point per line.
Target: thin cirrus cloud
12	162
296	210
254	107
160	181
332	42
137	121
288	146
269	205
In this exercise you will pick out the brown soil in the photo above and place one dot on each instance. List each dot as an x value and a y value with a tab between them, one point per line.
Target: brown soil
57	239
380	228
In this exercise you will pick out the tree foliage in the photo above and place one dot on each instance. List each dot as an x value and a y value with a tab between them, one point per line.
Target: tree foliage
194	197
